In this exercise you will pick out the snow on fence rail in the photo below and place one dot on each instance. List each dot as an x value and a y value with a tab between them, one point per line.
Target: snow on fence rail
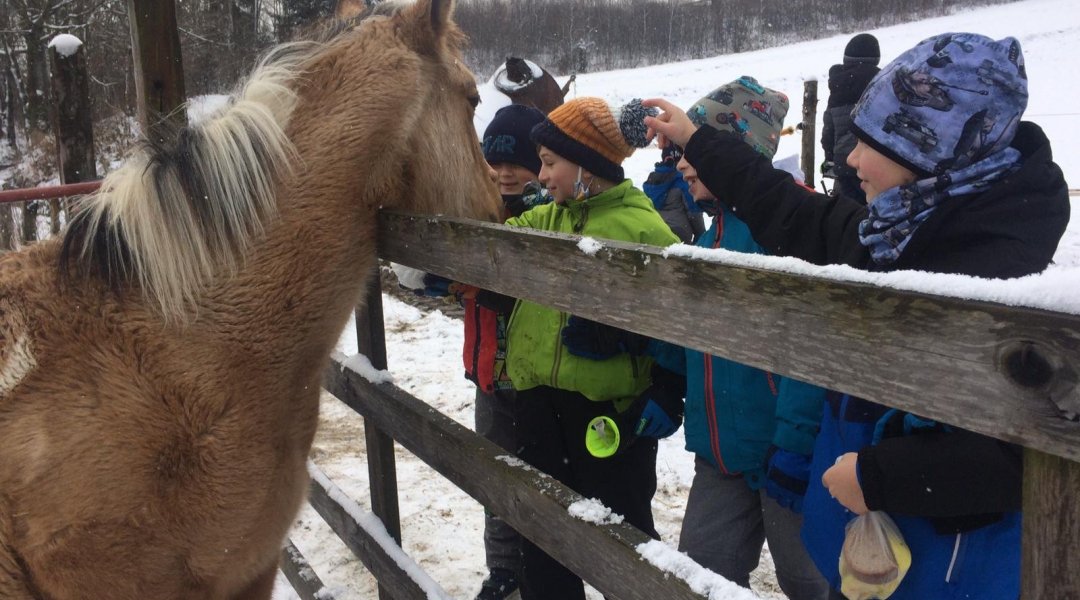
1008	372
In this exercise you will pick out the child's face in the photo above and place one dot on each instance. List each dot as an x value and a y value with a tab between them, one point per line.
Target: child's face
512	178
558	175
697	189
877	172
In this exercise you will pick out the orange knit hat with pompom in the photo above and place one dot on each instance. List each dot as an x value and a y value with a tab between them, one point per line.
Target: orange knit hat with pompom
596	136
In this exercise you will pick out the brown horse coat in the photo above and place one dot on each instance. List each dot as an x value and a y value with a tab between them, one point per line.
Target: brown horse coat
158	405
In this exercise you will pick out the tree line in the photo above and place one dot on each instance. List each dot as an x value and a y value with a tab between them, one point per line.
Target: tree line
573	36
221	39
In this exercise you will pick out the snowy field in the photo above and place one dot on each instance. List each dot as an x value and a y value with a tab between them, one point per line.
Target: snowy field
442	526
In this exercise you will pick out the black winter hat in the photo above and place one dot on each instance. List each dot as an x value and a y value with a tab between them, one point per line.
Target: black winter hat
506	139
862	48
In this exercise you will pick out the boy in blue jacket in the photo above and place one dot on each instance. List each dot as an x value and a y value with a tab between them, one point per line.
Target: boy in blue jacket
752	432
671	197
956	183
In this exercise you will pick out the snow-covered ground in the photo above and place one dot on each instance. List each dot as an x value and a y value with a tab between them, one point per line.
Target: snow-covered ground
442	526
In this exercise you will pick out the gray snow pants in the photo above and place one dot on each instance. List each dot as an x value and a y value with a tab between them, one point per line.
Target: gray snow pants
495	421
726	524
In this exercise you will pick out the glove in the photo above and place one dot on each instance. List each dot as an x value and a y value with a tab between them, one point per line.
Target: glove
661	405
435	286
897	423
786	478
596	341
656	422
828	169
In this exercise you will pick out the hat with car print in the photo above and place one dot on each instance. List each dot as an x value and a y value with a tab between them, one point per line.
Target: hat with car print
746	108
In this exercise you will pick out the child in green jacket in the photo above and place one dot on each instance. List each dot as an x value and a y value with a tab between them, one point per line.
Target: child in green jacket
582	145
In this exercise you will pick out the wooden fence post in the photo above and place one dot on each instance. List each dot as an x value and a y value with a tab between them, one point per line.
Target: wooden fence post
382	466
1051	527
809	131
73	126
159	70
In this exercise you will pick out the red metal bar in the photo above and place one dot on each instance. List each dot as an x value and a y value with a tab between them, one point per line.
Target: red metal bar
45	193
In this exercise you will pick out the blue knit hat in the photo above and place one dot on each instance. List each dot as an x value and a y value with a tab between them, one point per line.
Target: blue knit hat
506	139
950	101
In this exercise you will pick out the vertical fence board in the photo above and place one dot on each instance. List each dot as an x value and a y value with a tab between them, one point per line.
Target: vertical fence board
159	70
1051	527
809	131
73	124
382	467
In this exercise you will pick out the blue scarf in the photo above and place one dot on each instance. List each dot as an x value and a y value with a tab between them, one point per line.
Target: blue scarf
897	212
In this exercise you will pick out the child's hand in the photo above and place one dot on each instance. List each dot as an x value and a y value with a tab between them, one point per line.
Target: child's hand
671	125
843	484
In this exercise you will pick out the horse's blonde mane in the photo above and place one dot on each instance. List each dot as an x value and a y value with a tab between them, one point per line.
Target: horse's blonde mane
181	209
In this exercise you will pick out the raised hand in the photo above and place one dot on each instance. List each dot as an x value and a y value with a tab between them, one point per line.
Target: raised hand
672	125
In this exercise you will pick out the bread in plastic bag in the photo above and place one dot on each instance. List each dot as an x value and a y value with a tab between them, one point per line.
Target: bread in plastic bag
874	558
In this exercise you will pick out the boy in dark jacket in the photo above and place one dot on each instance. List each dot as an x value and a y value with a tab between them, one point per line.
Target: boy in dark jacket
513	158
956	184
847	81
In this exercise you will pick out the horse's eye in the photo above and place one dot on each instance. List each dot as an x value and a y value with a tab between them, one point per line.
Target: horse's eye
474	100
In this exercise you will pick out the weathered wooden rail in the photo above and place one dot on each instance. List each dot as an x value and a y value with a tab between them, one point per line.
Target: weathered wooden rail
1008	372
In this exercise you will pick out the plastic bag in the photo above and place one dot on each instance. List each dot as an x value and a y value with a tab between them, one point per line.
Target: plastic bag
874	558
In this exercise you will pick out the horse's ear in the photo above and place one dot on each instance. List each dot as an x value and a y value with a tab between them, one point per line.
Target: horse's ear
430	22
440	16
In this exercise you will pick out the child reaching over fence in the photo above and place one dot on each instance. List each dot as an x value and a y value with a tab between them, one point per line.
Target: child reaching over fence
582	145
956	183
751	431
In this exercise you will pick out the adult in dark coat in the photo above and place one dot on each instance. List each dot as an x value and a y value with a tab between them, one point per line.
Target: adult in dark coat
955	184
847	81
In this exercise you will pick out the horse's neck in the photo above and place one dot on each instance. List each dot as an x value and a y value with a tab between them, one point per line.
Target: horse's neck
308	272
303	278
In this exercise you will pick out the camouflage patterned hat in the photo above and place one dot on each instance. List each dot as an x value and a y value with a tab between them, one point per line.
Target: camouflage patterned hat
746	108
950	101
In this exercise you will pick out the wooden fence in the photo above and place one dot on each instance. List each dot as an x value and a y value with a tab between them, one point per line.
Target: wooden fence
1008	372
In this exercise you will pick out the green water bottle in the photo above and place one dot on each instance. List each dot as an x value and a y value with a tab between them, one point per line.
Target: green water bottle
608	435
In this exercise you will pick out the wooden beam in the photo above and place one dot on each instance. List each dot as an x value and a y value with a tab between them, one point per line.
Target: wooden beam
301	576
809	131
1051	537
360	540
73	125
159	68
1007	372
532	502
382	465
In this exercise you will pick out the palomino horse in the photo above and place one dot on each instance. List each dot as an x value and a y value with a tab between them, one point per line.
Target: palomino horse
160	369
